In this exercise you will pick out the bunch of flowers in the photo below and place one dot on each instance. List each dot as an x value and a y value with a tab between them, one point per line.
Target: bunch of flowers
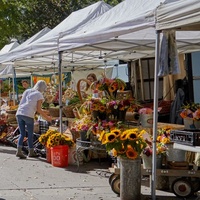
123	104
97	128
93	104
109	86
163	138
97	105
44	137
191	110
69	94
57	139
82	124
124	143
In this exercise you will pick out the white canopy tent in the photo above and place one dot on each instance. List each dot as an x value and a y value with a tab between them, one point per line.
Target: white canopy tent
103	37
9	47
68	26
8	71
180	15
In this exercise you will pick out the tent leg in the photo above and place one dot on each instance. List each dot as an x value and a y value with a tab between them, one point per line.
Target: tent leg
60	89
155	116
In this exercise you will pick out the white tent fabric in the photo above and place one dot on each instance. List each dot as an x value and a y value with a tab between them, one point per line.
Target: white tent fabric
9	47
6	70
106	35
73	22
183	15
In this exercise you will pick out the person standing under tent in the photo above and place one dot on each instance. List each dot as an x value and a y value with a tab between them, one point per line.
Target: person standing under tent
30	103
85	88
25	84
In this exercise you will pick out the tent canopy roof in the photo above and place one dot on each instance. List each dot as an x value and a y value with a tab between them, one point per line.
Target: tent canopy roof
179	15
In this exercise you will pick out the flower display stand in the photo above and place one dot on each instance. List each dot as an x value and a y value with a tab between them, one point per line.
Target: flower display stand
130	179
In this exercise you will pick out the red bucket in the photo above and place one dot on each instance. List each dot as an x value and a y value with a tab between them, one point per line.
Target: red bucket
59	156
48	155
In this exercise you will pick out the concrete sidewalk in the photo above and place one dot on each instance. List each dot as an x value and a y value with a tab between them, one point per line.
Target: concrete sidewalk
35	179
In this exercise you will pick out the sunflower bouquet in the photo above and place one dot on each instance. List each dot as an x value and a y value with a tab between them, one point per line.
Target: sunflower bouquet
123	143
44	137
57	139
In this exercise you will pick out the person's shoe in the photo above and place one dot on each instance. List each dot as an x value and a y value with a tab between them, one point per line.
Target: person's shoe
32	154
20	154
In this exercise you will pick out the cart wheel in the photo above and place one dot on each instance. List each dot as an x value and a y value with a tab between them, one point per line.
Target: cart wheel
115	185
182	188
111	177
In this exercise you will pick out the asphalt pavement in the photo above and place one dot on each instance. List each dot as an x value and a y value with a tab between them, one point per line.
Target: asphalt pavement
35	179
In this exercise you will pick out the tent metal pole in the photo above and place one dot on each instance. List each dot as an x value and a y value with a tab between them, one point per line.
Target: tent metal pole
155	115
60	89
14	85
142	80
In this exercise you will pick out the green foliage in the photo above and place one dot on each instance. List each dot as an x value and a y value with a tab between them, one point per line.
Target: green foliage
21	19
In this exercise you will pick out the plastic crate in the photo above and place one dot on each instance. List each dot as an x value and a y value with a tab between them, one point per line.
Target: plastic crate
186	137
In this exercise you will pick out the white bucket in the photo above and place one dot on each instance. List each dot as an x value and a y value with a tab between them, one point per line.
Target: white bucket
146	120
147	161
175	154
190	124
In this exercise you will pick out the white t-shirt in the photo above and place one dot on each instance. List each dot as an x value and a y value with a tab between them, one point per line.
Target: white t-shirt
28	103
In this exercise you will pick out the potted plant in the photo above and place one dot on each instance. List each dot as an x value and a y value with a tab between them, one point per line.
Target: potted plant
191	115
127	145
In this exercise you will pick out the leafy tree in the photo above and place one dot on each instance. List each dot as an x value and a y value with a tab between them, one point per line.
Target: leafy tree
21	19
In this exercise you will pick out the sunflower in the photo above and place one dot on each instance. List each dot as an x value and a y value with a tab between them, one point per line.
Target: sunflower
132	136
131	153
117	132
110	137
123	136
102	109
113	87
121	150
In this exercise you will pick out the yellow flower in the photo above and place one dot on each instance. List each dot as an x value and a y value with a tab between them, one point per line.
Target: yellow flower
131	153
114	152
117	132
101	135
123	136
102	109
110	137
132	136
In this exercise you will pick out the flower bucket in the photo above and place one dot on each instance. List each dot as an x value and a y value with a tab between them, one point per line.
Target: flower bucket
48	154
147	161
130	179
83	135
121	115
146	120
175	154
59	156
189	123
